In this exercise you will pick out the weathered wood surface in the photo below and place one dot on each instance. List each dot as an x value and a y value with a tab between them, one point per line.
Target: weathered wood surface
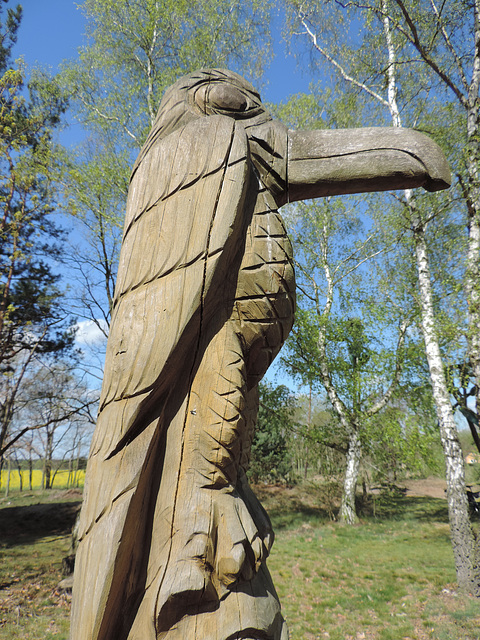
173	543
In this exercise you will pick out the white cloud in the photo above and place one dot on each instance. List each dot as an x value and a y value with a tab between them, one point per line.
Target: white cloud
88	332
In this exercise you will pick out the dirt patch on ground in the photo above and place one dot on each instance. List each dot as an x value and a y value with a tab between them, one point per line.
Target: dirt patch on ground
429	487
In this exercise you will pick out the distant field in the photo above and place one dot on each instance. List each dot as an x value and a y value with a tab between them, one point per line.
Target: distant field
63	479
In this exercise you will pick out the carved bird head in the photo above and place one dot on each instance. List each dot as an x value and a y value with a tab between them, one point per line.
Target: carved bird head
320	163
203	93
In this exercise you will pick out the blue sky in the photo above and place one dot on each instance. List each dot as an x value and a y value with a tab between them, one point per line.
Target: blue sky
53	30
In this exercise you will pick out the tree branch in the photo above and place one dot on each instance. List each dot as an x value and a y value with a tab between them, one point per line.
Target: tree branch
339	67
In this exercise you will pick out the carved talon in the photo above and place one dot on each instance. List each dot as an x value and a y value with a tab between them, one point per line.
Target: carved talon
205	566
229	568
190	585
236	531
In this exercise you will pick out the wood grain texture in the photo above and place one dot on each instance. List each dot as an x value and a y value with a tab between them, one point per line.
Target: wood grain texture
173	543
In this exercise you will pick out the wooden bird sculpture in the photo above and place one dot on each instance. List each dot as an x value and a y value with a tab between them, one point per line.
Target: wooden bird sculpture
173	542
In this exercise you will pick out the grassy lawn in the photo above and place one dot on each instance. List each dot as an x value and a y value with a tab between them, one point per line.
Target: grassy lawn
34	537
389	578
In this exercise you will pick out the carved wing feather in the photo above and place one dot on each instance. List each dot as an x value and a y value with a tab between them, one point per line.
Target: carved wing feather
182	218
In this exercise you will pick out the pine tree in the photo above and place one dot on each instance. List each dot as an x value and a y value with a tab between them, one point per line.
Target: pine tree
32	322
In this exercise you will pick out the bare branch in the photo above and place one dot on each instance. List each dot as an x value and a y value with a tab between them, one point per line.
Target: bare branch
451	48
339	67
414	38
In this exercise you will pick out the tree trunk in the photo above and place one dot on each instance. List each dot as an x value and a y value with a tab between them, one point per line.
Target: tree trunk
463	539
305	473
30	473
75	469
6	413
48	471
348	514
48	461
472	284
54	474
7	487
20	477
70	468
471	192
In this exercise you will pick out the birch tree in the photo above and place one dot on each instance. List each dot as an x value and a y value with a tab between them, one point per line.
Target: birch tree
393	25
446	39
346	338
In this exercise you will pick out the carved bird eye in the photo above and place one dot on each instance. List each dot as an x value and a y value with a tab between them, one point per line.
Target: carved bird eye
225	97
221	96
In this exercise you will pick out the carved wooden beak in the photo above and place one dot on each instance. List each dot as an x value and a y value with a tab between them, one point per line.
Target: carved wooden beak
333	162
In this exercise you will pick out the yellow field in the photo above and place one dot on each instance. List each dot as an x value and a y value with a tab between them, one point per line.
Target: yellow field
63	480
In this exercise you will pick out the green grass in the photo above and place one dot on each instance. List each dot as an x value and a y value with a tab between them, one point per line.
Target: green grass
389	578
34	537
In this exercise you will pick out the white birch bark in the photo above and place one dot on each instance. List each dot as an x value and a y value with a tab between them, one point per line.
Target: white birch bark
472	193
348	513
467	94
350	418
463	538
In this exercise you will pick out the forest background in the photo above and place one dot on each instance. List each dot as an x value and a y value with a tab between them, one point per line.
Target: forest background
383	365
